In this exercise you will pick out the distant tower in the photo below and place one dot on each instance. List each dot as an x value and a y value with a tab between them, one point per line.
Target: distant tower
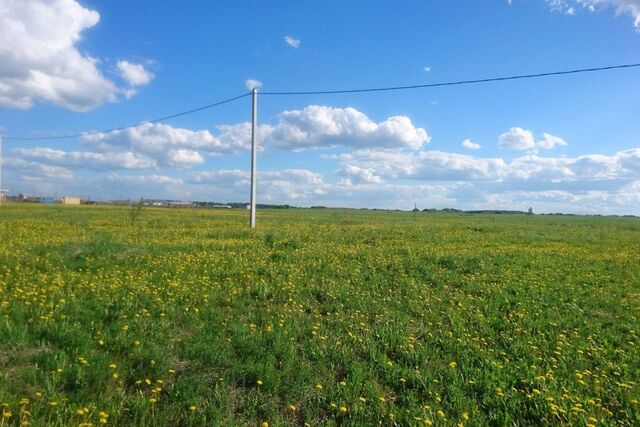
415	208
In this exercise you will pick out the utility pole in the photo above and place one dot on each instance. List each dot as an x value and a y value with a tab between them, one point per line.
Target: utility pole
254	125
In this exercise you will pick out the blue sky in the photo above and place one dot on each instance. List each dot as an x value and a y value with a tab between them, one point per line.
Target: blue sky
559	144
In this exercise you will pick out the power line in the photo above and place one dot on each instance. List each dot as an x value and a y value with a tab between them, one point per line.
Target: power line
328	92
455	83
159	119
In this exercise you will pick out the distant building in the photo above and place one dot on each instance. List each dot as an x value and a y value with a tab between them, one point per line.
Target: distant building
3	195
70	200
24	197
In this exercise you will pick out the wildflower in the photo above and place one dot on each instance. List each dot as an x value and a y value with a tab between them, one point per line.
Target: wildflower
319	386
292	407
264	424
259	382
452	364
153	400
440	414
192	408
343	409
362	399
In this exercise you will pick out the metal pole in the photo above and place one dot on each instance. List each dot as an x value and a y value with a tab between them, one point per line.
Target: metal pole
254	122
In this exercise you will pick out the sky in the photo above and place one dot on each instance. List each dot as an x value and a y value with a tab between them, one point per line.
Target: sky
557	144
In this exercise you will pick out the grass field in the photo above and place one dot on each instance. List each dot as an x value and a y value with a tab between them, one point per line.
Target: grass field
328	317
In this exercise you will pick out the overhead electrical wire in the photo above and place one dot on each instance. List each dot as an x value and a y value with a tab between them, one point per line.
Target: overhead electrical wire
159	119
335	92
455	83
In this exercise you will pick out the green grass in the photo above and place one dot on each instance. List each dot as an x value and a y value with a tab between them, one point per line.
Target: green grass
397	318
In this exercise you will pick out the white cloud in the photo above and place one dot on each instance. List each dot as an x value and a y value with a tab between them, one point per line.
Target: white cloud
517	138
144	179
35	170
595	171
134	74
253	84
469	144
318	126
426	69
423	165
629	7
549	141
293	42
168	146
356	175
85	159
39	59
593	183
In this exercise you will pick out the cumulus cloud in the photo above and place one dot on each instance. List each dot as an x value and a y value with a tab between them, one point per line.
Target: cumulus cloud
594	171
352	174
292	41
144	179
549	141
423	165
628	7
135	75
84	159
318	126
167	145
39	58
282	186
517	138
26	169
469	144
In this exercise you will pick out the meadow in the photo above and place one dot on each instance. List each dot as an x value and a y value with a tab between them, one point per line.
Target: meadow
185	317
